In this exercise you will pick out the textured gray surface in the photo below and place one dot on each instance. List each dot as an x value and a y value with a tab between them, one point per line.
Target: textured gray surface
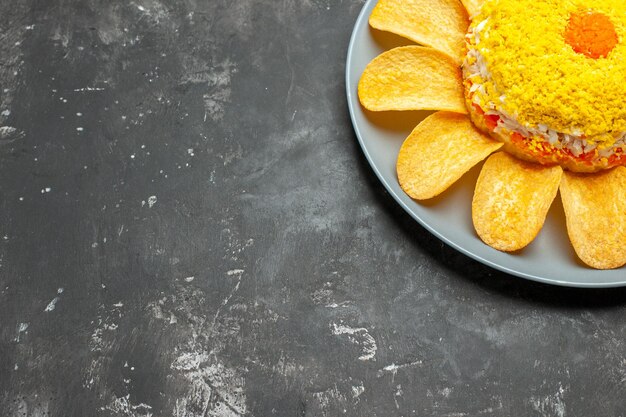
188	228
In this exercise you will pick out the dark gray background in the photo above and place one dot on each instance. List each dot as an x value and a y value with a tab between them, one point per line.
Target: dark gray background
188	228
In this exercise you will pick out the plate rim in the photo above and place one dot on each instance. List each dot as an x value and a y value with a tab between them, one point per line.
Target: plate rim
364	14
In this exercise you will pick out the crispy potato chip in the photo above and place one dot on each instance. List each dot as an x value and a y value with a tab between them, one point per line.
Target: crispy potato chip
438	152
472	6
595	209
412	78
441	24
511	201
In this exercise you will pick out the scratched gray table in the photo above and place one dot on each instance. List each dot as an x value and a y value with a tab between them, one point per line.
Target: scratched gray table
188	228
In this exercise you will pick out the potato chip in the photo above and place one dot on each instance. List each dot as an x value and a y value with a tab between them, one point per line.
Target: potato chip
511	201
438	152
441	24
412	78
595	209
472	6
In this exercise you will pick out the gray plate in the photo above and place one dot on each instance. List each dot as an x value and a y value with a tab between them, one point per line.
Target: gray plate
549	259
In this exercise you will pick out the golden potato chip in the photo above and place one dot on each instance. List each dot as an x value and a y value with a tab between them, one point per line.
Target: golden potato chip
511	201
441	24
438	152
412	78
472	6
595	209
